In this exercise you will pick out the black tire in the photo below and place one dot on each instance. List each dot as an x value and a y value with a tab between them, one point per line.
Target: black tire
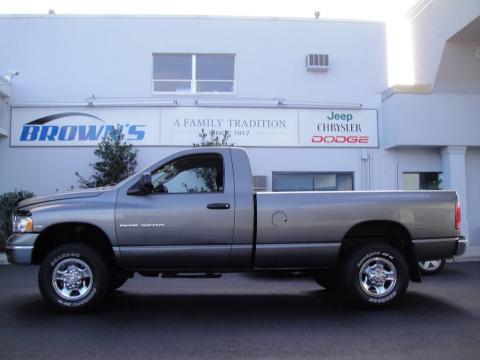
367	292
70	257
427	268
329	279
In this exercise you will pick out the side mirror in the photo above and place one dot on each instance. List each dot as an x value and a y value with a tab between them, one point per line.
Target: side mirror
146	182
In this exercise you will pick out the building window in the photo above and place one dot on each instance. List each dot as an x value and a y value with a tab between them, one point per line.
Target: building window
312	181
422	181
193	73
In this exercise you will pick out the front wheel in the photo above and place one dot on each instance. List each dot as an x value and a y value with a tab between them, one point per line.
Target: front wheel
376	275
74	277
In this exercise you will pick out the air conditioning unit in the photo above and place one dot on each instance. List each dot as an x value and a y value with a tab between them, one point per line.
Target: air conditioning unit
317	62
259	183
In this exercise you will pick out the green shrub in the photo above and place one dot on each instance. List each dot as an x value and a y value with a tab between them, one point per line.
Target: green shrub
7	203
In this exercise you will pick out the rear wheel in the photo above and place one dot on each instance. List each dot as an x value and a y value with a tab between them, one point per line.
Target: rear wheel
74	277
375	275
431	267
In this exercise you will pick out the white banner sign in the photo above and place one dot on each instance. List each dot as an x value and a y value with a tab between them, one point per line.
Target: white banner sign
181	126
338	128
247	127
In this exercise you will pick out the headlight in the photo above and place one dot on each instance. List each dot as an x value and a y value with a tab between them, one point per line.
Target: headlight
22	224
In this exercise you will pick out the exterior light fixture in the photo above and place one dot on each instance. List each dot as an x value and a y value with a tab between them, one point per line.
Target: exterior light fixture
7	79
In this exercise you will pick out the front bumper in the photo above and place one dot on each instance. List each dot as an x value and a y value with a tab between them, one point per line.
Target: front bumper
20	248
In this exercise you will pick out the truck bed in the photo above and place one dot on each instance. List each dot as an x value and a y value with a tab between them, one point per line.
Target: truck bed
313	224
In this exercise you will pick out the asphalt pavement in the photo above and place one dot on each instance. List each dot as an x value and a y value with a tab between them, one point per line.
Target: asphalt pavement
243	316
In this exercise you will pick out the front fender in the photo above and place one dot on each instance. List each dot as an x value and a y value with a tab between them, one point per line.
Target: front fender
97	211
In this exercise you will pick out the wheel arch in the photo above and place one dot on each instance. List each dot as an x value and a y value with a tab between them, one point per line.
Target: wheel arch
71	232
387	231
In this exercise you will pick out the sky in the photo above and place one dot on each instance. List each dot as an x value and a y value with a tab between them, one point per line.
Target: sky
399	44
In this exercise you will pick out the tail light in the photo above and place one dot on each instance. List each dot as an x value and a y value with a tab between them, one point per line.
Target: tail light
457	216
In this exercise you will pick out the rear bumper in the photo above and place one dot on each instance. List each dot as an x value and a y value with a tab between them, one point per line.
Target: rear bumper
20	248
462	245
442	248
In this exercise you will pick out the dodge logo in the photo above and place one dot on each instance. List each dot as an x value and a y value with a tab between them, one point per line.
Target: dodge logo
339	139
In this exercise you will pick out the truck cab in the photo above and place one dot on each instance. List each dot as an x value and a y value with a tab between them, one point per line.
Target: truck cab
197	206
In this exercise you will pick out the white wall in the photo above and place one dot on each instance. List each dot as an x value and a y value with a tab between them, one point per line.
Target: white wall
459	69
3	116
439	119
445	37
473	193
432	28
68	58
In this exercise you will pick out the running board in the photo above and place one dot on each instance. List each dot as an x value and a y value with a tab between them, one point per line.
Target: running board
208	275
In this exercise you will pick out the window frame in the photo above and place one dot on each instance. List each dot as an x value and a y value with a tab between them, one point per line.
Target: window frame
193	80
313	173
220	156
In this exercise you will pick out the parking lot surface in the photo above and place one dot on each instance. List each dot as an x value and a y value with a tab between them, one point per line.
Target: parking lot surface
244	316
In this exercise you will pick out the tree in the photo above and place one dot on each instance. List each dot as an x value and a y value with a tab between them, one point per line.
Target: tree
118	161
7	203
214	139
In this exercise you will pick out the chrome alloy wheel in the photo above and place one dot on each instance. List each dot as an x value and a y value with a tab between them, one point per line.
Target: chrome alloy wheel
377	277
72	279
430	265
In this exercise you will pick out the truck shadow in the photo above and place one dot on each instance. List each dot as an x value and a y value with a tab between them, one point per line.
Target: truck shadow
126	307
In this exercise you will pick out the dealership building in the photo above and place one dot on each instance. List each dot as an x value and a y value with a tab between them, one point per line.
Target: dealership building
308	99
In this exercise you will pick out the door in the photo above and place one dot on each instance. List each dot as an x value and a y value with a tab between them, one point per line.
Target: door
186	221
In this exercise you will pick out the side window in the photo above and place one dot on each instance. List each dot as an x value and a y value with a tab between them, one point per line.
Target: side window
191	174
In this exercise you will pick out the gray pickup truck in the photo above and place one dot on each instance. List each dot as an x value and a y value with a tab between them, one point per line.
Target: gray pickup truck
194	214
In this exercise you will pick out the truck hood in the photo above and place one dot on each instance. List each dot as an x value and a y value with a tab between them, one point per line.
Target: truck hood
63	196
